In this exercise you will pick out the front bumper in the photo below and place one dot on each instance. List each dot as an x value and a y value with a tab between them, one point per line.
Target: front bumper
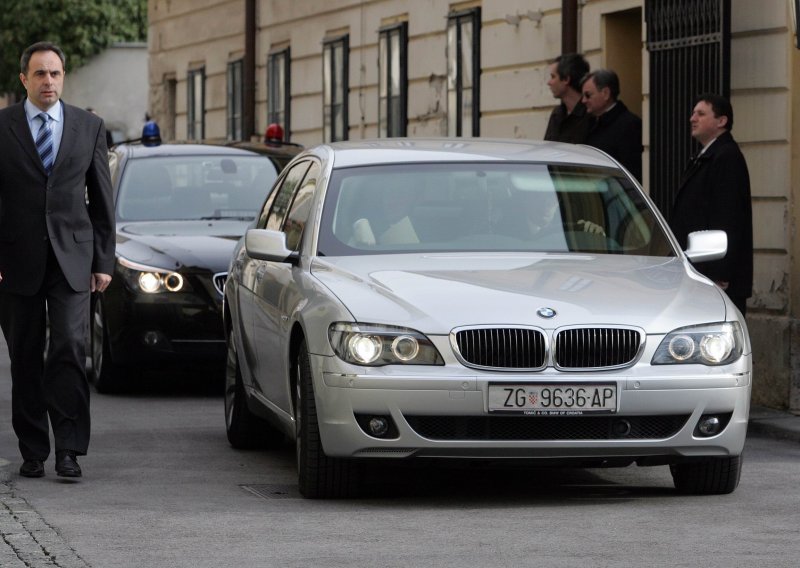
442	412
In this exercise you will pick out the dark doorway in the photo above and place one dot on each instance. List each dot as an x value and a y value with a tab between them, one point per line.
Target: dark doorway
689	46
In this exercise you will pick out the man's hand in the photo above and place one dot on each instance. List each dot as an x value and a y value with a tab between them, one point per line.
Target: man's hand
592	228
722	284
99	282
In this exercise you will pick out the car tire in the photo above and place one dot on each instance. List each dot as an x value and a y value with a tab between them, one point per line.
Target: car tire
106	376
714	476
319	476
245	429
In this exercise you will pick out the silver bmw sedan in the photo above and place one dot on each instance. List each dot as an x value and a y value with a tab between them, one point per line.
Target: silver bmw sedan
479	299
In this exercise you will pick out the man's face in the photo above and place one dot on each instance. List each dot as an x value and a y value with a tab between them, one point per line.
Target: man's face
595	100
44	80
706	126
558	86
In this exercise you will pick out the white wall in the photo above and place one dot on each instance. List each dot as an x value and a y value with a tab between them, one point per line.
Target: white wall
114	83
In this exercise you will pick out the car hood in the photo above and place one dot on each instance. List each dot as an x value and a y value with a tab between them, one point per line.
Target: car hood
180	244
436	292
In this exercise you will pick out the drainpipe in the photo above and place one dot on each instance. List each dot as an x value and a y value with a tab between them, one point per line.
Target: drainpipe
249	70
569	26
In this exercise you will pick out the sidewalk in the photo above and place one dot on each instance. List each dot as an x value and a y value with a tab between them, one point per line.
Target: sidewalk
26	540
774	423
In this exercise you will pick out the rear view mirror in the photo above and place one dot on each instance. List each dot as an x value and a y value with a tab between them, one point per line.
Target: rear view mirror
707	245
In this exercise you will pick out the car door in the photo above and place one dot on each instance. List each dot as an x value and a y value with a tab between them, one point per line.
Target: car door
277	293
253	270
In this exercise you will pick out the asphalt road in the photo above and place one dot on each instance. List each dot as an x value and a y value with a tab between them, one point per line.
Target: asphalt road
162	488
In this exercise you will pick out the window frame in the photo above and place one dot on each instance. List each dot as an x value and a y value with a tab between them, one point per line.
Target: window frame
386	125
235	100
279	62
335	81
455	66
196	118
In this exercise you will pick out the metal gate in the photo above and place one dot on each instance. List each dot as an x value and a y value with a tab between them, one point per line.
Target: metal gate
689	46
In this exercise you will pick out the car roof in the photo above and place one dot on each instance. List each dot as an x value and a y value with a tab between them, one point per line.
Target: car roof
414	150
137	150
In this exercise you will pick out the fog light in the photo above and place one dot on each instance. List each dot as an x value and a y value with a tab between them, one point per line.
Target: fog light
622	427
709	426
378	426
151	338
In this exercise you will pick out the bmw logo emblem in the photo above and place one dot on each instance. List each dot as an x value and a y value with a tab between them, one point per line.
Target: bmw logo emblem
546	313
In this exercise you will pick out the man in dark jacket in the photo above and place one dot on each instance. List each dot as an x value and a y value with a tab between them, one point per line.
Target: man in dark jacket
569	121
617	131
714	193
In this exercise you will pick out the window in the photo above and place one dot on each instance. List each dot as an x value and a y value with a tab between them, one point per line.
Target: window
235	100
168	131
195	119
463	73
296	219
335	89
393	84
278	85
274	211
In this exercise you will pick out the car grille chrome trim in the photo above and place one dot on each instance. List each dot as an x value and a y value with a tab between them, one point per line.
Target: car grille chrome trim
596	347
219	282
546	427
527	348
517	348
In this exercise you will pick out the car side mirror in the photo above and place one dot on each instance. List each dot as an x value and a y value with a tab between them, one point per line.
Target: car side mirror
707	245
264	244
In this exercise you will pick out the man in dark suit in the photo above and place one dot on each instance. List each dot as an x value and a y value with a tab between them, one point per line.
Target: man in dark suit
616	130
714	193
56	247
569	121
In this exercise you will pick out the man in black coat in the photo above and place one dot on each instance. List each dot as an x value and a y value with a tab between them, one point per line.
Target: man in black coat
616	131
569	121
56	246
714	193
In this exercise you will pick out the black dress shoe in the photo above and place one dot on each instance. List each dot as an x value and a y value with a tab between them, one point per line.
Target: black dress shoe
32	468
67	465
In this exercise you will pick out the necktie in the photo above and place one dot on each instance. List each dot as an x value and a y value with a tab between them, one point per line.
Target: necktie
44	142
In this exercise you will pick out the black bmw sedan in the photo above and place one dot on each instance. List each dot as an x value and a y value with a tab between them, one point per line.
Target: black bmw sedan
180	208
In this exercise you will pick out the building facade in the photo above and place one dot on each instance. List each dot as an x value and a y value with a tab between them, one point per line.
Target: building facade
352	69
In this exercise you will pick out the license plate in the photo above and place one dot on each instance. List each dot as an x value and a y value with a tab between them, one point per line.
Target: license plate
553	399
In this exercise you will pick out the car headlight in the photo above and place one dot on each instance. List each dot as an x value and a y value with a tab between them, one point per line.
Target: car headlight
710	344
150	279
376	345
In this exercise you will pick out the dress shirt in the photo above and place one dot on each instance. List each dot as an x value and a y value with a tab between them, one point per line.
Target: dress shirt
56	113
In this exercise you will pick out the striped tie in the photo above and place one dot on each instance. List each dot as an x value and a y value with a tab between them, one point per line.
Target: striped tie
44	142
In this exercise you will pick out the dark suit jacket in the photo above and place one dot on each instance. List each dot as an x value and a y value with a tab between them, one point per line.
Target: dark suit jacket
569	127
715	194
618	133
37	212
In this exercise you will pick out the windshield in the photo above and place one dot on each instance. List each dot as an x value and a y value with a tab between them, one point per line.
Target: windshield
487	207
194	187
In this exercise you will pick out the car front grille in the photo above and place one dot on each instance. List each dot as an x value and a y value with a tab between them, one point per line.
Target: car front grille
219	282
521	348
547	427
596	348
506	348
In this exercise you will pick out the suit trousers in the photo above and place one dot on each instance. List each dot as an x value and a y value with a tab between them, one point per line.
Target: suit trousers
55	386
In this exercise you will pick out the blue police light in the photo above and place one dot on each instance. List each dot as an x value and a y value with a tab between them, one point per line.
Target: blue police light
151	135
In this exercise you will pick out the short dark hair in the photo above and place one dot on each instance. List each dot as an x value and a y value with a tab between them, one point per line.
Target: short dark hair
40	46
604	78
720	105
571	65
